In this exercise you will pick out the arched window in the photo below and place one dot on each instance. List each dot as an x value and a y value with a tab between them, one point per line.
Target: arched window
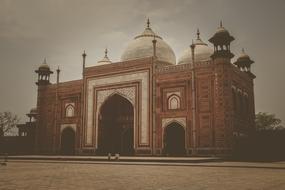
174	102
69	110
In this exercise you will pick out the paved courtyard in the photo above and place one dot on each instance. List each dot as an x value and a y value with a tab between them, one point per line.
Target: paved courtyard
84	175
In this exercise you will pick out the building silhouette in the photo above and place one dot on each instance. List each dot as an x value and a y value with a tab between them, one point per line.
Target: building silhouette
147	104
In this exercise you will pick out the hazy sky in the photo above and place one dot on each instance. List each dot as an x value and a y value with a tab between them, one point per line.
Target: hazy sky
60	30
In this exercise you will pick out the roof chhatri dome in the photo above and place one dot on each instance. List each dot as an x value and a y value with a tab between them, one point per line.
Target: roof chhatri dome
44	65
221	29
105	59
202	52
142	47
34	111
243	60
222	36
243	55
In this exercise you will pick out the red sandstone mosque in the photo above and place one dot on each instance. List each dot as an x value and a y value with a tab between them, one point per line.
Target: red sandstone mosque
147	103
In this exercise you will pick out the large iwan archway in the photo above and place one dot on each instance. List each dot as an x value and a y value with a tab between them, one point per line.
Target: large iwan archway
67	141
174	139
116	126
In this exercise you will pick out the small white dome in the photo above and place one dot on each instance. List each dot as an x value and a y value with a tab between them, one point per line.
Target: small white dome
202	52
34	111
243	55
142	47
44	65
105	59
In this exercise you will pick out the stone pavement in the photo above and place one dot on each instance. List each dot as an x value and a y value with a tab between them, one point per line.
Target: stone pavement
24	174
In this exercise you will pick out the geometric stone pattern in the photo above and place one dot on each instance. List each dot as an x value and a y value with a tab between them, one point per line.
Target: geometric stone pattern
127	92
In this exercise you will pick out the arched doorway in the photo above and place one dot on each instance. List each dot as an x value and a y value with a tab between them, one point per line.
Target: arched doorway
116	126
174	140
67	141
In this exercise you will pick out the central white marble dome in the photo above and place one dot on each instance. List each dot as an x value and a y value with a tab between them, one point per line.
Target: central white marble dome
142	47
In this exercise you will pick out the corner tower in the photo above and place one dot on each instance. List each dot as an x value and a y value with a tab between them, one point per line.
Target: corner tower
244	63
44	73
223	129
43	140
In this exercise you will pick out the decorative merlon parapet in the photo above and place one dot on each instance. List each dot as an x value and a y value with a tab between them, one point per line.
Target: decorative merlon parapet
182	67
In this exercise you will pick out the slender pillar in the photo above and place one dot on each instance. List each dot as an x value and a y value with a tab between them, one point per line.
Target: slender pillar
154	97
57	75
82	100
83	65
193	88
55	148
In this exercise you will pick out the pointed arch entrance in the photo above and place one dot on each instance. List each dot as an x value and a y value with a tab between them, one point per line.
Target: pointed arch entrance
174	139
116	126
67	141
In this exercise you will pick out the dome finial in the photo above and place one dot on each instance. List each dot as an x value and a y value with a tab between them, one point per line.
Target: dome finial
154	46
148	23
106	53
57	74
45	61
84	54
198	34
105	59
242	50
221	23
192	46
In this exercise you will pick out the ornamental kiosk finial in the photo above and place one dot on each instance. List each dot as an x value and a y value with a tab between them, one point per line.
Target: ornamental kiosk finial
148	23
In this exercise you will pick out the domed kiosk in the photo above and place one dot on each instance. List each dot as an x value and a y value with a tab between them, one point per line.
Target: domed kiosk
142	47
244	62
105	59
202	52
44	73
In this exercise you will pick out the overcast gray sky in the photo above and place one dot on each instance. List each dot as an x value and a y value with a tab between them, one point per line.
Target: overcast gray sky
60	30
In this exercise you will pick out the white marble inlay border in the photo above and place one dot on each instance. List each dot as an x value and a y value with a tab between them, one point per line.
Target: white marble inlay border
96	81
127	92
